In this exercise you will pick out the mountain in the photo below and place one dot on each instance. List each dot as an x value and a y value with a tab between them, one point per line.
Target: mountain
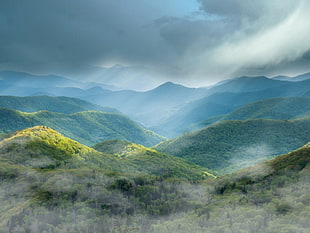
54	104
297	78
152	106
140	106
274	108
23	79
188	116
26	84
246	84
183	120
28	80
231	145
136	78
88	127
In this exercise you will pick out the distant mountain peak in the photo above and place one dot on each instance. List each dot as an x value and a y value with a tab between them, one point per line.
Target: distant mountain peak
118	66
169	85
250	77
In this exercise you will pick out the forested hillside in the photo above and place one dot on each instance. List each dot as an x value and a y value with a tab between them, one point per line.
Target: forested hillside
88	127
231	145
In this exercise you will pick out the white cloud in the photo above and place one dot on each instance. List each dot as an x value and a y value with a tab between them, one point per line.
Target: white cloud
258	35
287	41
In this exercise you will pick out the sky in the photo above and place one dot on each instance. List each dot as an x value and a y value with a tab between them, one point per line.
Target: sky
195	42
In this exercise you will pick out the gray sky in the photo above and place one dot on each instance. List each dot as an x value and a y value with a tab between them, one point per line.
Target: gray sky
186	41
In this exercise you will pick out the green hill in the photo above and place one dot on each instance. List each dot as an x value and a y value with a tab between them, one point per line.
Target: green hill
86	127
274	108
53	104
42	147
231	145
150	160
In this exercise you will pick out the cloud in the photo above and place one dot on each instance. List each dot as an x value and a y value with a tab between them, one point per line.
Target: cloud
74	31
221	39
261	35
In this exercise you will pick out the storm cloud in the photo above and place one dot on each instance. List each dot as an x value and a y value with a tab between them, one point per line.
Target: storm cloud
189	41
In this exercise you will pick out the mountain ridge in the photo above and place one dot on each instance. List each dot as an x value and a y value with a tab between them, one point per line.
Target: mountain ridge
283	108
59	104
87	127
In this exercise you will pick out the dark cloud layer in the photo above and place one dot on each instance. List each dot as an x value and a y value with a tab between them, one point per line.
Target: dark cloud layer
221	39
72	30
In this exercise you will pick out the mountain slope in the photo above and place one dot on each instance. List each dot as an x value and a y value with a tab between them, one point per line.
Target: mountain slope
25	84
141	106
246	84
53	104
152	106
41	147
293	79
150	160
274	108
86	127
23	79
185	117
230	145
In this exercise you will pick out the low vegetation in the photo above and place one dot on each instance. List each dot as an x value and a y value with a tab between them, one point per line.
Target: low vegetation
88	192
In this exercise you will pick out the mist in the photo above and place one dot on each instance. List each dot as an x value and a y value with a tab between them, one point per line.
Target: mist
67	201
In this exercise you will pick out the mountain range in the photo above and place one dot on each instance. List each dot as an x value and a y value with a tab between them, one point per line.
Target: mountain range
92	164
222	103
168	109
